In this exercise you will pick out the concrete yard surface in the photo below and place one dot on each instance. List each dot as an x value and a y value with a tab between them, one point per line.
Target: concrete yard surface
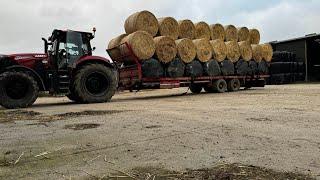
276	127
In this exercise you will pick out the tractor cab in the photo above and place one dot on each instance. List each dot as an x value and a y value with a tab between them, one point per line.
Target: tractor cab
66	47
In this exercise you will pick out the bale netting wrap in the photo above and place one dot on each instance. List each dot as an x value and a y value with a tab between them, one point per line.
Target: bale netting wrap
186	29
219	50
253	67
233	51
142	21
202	30
194	69
168	26
152	68
254	36
115	42
211	68
245	50
231	33
243	34
166	49
186	50
256	52
241	67
141	43
204	49
263	67
217	32
267	52
227	68
175	68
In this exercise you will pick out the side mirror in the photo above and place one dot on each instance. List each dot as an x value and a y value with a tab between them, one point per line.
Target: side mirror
94	48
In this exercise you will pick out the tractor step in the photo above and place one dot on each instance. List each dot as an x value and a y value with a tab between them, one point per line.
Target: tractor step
63	82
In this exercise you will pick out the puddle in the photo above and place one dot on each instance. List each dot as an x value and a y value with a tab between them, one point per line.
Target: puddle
259	119
222	172
78	127
21	115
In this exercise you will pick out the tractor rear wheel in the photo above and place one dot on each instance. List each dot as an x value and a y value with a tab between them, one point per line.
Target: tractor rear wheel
195	88
17	90
234	85
94	83
220	86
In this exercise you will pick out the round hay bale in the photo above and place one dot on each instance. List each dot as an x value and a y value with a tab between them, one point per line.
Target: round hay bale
152	68
231	33
233	51
254	36
194	69
186	29
227	68
114	53
202	30
204	49
175	68
263	67
168	26
217	32
243	34
267	52
257	52
142	21
211	68
186	50
141	43
166	49
219	50
253	68
116	41
241	67
245	50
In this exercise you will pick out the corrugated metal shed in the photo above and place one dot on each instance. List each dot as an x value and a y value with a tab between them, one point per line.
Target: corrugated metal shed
307	49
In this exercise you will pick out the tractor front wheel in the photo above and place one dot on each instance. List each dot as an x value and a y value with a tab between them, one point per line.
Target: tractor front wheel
17	90
94	83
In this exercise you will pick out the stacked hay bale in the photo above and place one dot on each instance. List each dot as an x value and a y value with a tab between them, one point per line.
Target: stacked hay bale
183	48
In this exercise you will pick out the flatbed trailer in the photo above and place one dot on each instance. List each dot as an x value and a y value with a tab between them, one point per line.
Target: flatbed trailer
130	77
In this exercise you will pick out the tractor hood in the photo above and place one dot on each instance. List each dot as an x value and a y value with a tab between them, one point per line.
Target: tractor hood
29	56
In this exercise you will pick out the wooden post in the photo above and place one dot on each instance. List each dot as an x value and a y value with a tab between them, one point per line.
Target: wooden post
306	59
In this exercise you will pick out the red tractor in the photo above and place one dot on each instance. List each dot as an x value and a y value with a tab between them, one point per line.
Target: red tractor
66	68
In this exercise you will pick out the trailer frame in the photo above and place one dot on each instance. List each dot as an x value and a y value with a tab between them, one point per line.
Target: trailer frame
131	78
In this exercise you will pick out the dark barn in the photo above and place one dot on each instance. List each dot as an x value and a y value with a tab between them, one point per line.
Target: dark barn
306	50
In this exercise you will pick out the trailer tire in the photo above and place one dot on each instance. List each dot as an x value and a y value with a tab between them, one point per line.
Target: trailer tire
94	83
220	86
195	88
233	85
17	90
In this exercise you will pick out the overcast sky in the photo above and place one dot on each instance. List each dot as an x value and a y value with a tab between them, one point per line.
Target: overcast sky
24	22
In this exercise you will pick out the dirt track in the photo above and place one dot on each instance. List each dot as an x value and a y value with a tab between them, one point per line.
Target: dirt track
277	127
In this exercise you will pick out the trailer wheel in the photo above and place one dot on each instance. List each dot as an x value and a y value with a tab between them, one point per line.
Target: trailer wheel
94	83
220	86
195	88
17	90
233	85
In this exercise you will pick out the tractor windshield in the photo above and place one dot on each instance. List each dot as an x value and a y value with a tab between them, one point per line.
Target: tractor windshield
76	46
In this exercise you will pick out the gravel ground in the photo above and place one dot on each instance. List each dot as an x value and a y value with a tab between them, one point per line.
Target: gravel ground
276	127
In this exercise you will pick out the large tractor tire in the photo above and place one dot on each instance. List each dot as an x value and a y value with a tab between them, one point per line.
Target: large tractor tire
220	86
17	90
195	88
234	85
94	83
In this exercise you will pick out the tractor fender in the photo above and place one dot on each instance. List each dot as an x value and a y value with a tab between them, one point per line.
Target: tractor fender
93	59
18	68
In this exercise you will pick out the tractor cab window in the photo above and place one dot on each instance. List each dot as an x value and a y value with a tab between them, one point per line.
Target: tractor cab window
70	48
